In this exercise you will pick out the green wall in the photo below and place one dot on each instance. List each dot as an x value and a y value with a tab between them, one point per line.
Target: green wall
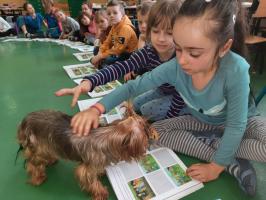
74	6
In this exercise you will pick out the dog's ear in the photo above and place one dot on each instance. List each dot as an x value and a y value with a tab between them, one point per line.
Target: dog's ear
135	144
129	109
153	134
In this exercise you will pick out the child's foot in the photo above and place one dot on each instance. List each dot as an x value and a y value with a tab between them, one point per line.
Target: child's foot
245	174
27	35
31	36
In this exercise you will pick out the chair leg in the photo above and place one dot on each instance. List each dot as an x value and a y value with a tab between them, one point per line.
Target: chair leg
260	96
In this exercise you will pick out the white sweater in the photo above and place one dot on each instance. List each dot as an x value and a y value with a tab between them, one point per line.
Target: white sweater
4	26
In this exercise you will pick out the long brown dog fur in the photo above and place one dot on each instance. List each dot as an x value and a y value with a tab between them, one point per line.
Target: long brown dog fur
46	136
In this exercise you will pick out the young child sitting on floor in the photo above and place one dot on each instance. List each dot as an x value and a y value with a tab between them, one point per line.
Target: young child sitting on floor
69	25
143	11
87	31
122	39
103	29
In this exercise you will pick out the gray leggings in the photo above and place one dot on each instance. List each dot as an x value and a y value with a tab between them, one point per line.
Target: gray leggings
176	133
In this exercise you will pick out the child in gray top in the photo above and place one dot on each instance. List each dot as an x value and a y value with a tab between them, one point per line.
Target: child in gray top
69	25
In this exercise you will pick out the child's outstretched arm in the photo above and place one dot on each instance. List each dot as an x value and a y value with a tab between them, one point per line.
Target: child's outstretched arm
85	120
82	88
138	60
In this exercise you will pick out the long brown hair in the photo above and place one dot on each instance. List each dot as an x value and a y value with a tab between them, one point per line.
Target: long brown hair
225	18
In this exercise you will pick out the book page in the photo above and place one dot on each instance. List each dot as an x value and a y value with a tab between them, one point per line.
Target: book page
104	89
79	70
101	90
159	175
85	56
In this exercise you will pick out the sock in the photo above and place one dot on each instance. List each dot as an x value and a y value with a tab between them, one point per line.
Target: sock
245	174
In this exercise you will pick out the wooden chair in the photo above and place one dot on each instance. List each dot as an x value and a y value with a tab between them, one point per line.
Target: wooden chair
259	14
253	41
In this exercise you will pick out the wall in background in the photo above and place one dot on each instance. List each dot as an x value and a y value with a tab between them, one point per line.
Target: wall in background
15	2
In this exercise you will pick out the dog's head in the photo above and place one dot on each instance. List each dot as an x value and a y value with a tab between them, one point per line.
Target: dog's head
132	135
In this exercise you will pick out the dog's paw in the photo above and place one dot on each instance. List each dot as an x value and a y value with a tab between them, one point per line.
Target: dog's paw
52	162
36	181
101	195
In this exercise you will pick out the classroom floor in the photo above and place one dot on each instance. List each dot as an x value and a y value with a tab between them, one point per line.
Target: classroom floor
30	74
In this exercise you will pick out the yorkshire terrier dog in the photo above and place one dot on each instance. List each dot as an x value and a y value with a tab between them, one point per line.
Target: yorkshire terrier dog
45	136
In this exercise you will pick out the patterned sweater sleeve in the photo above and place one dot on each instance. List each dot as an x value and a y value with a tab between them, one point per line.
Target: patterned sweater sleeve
137	60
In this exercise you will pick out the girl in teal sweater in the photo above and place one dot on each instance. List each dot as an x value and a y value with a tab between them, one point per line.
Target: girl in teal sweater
221	127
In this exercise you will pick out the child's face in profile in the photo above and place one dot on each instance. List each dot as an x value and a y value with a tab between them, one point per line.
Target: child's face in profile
86	10
195	51
103	23
162	39
142	22
85	20
60	16
114	14
30	9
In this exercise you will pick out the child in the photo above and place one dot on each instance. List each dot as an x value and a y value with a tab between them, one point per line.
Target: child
69	25
31	24
6	29
87	29
54	30
103	29
214	83
155	103
122	39
142	16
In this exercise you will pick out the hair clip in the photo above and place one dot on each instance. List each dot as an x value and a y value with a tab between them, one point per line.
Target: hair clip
234	18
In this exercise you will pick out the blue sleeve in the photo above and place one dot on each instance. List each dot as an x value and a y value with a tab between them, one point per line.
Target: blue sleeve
137	60
165	73
237	95
40	17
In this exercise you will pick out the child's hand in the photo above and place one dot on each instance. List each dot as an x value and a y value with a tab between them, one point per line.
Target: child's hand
83	87
129	76
63	36
84	121
96	59
205	172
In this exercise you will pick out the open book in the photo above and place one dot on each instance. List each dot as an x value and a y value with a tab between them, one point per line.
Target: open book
85	56
102	89
159	175
79	70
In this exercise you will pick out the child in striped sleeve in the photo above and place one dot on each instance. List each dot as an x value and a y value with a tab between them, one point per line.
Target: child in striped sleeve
155	103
